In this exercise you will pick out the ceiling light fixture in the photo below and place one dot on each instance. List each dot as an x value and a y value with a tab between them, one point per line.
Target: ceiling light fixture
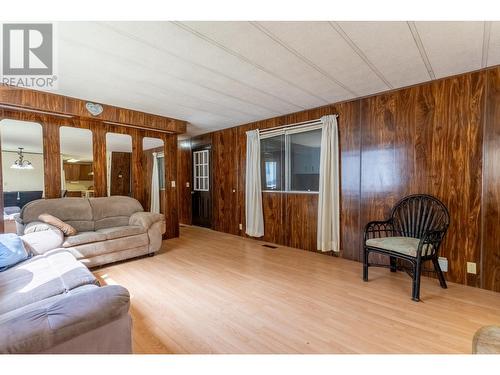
21	163
73	160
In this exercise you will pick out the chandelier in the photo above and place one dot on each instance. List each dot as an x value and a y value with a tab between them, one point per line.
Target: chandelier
21	163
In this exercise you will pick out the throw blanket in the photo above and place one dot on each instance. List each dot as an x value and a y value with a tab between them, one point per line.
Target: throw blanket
12	251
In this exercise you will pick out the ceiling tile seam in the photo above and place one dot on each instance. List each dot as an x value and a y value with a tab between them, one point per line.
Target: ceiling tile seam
150	45
486	43
290	49
360	53
421	48
245	59
169	91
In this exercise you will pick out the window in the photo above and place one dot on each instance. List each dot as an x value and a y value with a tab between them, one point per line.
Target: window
271	156
200	170
290	159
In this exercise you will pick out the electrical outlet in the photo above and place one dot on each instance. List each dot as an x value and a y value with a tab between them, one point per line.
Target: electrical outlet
471	267
187	184
241	226
443	264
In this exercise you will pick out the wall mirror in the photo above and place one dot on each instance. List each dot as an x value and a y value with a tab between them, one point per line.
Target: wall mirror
22	167
154	174
77	174
119	164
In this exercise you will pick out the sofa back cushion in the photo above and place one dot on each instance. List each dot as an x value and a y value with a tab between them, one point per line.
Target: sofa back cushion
113	211
76	212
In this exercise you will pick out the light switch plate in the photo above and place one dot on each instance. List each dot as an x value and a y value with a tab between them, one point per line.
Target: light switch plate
471	267
241	226
172	183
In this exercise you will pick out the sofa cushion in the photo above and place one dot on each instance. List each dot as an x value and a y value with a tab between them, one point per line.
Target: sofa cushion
402	245
90	250
39	329
43	241
12	251
119	232
39	226
76	212
113	211
83	238
41	277
67	229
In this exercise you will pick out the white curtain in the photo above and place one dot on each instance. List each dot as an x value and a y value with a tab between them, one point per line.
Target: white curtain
108	172
155	186
253	189
329	191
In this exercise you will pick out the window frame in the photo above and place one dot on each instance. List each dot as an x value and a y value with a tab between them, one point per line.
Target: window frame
286	132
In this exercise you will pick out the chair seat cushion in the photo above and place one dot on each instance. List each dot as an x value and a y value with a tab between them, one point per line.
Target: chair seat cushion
123	231
402	245
83	238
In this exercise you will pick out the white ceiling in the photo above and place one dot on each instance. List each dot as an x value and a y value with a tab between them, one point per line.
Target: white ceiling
221	74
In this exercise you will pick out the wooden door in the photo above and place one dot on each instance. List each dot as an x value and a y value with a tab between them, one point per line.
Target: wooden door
202	189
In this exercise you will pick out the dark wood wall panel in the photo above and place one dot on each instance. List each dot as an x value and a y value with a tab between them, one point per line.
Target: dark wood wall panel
274	218
423	139
301	220
171	201
51	160
490	264
225	213
184	177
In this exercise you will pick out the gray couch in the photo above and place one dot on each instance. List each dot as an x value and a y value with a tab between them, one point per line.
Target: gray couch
109	229
52	303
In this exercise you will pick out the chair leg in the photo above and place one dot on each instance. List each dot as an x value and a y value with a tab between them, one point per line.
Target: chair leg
417	268
439	272
393	264
365	264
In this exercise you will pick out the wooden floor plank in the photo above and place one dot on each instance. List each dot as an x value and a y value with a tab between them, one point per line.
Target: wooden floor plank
210	292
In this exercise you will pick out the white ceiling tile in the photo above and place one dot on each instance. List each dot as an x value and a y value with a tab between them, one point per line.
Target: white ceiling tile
255	47
452	47
391	48
323	45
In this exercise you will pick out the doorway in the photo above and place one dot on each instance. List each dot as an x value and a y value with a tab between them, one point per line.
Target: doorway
202	187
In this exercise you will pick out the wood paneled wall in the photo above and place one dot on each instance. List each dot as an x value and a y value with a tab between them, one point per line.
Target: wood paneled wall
430	138
52	163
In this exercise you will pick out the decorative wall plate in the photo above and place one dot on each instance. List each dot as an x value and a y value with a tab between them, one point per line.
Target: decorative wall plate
94	108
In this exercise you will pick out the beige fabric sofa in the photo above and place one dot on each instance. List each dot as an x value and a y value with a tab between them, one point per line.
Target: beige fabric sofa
52	303
109	229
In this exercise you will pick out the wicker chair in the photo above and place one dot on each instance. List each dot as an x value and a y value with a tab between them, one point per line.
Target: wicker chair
414	232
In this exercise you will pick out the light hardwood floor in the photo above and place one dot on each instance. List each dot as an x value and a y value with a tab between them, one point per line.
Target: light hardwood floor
209	292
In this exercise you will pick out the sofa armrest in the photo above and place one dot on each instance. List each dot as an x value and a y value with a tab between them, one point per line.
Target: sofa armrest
145	219
38	330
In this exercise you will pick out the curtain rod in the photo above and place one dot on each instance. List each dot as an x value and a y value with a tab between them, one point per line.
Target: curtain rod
292	125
